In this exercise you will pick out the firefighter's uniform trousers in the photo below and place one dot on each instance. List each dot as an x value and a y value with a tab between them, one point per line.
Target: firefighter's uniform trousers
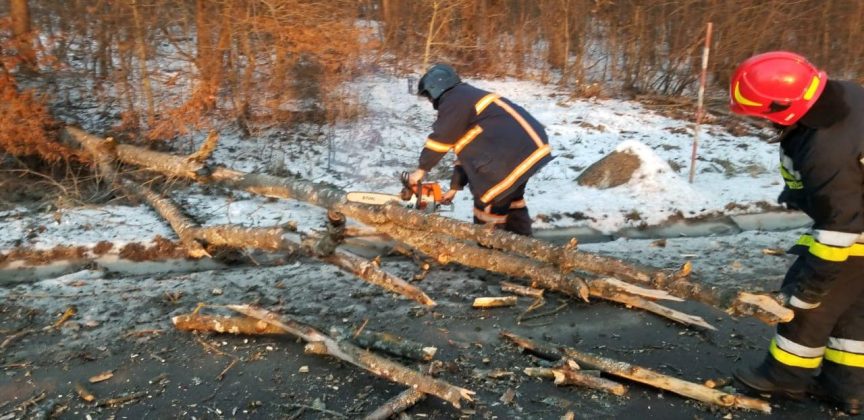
830	335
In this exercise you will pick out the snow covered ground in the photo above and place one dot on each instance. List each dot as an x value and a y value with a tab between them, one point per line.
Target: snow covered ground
369	154
734	174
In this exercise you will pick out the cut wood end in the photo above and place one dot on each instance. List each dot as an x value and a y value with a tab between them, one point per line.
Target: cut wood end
763	307
84	393
494	302
104	376
315	347
429	352
426	301
685	270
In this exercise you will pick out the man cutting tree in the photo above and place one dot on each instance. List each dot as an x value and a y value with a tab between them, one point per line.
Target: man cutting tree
498	146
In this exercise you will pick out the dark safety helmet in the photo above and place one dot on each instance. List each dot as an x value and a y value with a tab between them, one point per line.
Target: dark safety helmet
437	80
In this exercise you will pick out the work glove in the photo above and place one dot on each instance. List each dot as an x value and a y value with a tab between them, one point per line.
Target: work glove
415	177
790	198
448	197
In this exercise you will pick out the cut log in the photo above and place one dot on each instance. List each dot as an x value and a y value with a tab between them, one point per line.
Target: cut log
324	244
224	324
388	343
658	380
348	352
181	224
372	273
540	350
405	400
494	302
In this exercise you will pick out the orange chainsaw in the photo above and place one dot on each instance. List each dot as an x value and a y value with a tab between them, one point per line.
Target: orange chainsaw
428	196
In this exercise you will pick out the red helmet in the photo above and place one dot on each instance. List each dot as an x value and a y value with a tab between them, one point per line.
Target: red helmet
779	85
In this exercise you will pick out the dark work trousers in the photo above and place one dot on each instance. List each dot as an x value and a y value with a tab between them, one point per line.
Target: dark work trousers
509	212
831	334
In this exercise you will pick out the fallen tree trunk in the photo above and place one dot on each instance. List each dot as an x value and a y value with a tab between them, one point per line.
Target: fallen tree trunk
326	196
649	377
104	153
377	365
446	249
273	239
245	325
268	238
566	258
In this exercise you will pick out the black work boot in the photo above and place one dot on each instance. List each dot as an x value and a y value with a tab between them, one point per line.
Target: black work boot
761	383
851	406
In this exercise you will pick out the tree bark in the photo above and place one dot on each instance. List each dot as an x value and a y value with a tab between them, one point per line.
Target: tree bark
22	34
377	365
566	376
224	325
141	52
277	239
388	343
658	380
245	325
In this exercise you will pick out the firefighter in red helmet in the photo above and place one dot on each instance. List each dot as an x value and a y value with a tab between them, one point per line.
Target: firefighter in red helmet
821	351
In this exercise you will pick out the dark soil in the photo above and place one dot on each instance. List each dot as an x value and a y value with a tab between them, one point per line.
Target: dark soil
123	325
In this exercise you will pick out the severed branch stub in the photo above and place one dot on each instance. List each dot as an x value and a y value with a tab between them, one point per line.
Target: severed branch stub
649	377
325	243
350	353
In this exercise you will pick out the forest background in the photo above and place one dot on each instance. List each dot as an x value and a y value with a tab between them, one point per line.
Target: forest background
254	64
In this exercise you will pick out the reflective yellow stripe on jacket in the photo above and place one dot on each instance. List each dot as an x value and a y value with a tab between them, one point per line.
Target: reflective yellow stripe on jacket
437	146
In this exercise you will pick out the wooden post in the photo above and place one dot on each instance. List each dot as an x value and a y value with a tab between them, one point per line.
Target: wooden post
699	100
